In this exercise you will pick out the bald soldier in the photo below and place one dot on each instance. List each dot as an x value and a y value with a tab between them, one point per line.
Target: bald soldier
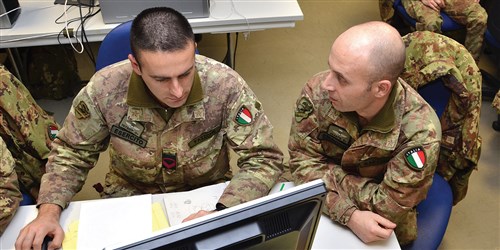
169	117
367	134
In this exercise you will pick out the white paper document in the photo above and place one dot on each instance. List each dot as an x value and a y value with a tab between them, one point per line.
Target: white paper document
180	205
126	218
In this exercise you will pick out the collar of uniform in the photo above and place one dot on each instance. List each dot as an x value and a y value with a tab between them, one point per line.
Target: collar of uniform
139	95
384	121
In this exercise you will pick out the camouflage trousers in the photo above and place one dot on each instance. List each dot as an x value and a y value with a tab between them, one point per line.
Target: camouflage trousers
467	13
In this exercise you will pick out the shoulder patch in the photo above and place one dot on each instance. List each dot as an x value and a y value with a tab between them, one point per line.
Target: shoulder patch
52	130
303	110
82	111
244	116
415	158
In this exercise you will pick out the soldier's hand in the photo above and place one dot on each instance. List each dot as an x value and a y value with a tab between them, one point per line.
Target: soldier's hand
436	5
198	214
369	226
45	224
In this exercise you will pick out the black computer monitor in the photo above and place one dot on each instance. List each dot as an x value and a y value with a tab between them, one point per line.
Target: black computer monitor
284	220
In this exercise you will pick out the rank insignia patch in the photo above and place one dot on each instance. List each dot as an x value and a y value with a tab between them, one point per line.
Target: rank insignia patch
169	161
244	117
52	131
304	109
415	158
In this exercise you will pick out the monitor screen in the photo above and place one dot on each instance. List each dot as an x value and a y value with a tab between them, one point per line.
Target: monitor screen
283	220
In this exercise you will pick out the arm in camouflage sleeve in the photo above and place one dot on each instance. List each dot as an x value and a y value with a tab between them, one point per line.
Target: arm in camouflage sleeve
402	187
307	159
260	160
10	196
75	150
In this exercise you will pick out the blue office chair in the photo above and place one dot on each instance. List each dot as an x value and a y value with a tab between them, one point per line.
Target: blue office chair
434	212
115	46
448	23
27	200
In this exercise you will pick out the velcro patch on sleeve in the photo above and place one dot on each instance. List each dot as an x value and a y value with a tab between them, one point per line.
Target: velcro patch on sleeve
415	158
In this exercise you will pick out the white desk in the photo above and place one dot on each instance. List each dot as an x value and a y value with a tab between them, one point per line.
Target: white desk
329	235
35	26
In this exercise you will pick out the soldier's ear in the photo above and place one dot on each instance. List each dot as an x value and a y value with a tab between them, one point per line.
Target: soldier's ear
135	64
382	88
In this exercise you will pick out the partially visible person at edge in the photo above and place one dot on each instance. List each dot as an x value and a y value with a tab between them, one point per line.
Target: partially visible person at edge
468	13
10	195
367	134
169	117
26	133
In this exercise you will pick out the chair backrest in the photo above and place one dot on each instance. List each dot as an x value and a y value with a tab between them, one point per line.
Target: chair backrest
436	94
115	46
448	23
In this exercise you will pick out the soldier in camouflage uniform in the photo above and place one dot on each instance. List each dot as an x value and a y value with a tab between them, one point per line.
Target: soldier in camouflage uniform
27	130
169	117
430	56
10	195
367	134
468	13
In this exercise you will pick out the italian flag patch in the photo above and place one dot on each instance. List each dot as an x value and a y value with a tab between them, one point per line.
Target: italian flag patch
53	131
244	117
415	158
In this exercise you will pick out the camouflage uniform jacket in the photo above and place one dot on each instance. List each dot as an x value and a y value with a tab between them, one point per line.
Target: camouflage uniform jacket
27	130
430	56
154	150
10	196
367	168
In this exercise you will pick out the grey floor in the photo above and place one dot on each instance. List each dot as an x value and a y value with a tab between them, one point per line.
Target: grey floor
276	63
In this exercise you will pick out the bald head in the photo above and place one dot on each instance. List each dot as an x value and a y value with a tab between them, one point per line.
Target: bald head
379	48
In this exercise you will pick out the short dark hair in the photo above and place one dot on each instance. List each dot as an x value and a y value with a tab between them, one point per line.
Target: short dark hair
160	29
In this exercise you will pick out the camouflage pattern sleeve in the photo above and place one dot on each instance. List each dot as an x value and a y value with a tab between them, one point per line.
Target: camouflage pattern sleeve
250	135
307	162
76	149
10	196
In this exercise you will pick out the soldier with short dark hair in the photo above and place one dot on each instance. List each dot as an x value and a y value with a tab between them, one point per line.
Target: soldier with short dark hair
169	117
368	134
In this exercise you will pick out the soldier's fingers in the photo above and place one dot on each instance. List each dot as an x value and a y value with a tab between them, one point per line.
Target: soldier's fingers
25	239
440	3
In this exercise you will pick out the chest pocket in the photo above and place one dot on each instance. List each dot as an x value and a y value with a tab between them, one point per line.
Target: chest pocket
204	147
335	141
366	161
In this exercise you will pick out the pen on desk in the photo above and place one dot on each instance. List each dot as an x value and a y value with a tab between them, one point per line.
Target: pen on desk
282	186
